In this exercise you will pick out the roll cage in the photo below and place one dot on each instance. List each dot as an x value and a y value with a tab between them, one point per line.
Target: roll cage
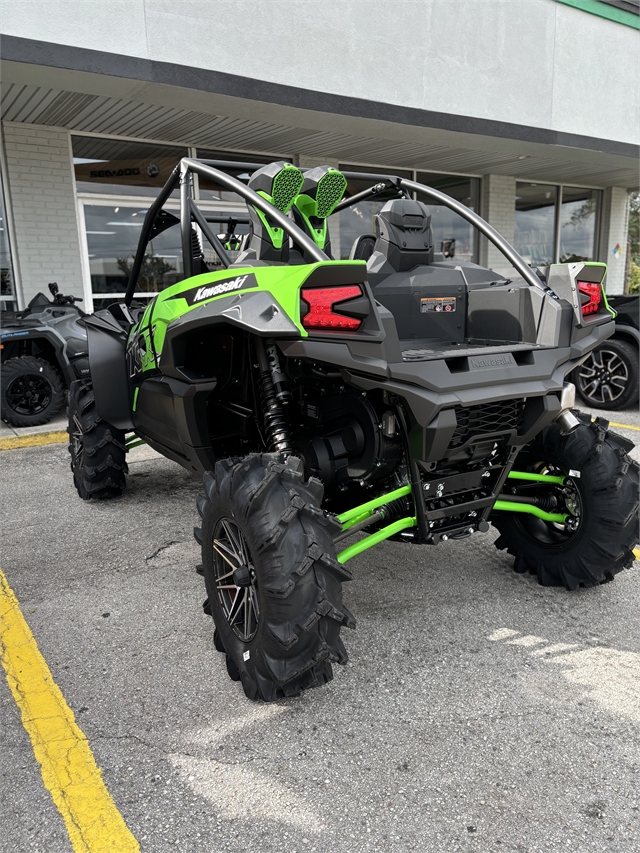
158	220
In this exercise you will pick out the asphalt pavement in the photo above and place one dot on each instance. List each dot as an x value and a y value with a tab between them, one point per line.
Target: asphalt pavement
478	711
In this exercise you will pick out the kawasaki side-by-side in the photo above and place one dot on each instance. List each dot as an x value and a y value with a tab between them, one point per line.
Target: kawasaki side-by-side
329	405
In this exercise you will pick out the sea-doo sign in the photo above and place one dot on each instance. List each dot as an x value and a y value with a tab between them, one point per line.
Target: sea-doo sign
217	288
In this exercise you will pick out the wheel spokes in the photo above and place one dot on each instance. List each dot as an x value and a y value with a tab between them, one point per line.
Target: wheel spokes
239	603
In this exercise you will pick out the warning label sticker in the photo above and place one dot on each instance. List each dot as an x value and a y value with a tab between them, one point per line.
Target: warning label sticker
445	304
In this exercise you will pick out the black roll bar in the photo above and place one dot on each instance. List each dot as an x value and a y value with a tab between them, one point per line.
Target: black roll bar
147	225
208	233
478	222
282	221
182	173
389	181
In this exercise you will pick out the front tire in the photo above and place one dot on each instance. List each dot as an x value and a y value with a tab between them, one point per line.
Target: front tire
32	391
602	501
273	582
98	451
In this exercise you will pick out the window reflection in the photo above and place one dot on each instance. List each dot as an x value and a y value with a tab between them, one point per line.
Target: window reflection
347	225
112	239
123	168
7	303
578	224
534	237
446	224
212	191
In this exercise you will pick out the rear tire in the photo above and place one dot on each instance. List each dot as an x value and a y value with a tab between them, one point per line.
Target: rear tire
32	391
604	497
98	451
278	618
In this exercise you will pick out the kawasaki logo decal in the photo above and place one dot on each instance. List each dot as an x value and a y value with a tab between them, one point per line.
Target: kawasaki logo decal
208	291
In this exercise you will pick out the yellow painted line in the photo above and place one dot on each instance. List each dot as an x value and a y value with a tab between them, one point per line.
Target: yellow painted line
69	770
625	426
14	441
636	553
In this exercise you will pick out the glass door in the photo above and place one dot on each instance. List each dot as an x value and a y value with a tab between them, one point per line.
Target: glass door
111	230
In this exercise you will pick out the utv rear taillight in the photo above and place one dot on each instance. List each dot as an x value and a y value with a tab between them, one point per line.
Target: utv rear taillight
594	292
318	308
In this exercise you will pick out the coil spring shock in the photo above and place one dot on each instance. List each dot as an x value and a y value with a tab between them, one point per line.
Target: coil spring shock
276	423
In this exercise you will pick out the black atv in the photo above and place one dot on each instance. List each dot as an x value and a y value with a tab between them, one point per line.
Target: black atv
329	405
44	348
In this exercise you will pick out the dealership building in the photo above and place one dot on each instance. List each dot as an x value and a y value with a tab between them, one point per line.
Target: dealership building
526	111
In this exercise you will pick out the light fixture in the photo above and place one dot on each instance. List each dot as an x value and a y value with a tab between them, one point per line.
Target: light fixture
116	209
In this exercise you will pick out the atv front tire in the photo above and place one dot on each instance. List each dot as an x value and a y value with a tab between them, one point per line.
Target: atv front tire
32	391
273	582
602	531
98	451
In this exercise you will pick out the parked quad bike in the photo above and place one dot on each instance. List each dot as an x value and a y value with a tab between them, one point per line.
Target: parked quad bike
44	348
407	397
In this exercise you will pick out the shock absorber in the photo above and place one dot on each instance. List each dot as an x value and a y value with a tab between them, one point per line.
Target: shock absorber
274	393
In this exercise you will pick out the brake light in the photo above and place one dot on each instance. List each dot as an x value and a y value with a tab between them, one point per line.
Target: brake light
320	313
594	292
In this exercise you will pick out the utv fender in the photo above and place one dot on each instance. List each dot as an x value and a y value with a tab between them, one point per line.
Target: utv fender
107	342
46	334
258	312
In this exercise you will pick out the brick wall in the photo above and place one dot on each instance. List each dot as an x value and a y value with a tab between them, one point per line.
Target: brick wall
615	221
40	187
498	208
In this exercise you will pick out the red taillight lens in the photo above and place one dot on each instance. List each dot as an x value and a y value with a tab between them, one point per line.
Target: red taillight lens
594	292
320	313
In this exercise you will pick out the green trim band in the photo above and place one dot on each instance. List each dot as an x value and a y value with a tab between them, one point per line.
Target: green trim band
364	510
134	443
509	506
536	478
374	538
604	10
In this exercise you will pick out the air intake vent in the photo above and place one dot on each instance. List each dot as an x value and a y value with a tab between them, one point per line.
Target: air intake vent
487	419
330	191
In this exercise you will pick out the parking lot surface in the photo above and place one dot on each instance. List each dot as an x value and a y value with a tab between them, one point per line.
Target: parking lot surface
478	711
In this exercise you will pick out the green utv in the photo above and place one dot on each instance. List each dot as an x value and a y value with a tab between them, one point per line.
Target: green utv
330	405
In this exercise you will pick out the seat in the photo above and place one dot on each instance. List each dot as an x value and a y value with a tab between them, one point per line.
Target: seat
362	248
404	237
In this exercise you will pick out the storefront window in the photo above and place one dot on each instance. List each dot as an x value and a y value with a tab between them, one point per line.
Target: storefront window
123	168
345	227
212	191
556	224
112	239
578	216
446	224
8	290
535	222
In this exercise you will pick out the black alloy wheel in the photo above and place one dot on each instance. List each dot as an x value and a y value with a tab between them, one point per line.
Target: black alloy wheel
235	580
274	586
608	379
32	391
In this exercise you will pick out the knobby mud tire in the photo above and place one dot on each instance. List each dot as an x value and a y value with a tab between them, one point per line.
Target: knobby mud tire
608	491
98	451
298	579
15	369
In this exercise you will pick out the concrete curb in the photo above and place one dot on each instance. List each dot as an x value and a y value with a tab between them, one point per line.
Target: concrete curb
16	441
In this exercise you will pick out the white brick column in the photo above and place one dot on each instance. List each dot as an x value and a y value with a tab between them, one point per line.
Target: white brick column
40	185
613	232
498	207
